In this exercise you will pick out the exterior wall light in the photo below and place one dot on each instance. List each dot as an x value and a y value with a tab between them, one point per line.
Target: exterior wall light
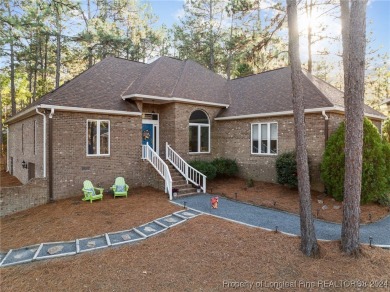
24	164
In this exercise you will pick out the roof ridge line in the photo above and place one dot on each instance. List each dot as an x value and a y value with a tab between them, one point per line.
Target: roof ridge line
316	88
255	74
151	66
184	66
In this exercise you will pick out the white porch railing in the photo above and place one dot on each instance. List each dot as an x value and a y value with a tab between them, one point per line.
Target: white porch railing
189	173
162	168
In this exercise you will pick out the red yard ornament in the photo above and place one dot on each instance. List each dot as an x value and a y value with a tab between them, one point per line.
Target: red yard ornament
214	202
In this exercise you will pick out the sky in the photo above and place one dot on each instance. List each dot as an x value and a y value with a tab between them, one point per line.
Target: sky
378	19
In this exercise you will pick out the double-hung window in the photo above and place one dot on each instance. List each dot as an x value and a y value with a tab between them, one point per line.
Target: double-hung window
264	138
199	132
98	137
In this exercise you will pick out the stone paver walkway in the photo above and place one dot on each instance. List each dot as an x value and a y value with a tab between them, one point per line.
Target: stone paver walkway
283	221
66	248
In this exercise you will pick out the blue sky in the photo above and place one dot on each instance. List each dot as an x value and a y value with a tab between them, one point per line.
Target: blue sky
378	19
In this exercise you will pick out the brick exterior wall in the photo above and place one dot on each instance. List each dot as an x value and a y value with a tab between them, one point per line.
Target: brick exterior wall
72	165
173	125
19	198
229	139
26	145
234	141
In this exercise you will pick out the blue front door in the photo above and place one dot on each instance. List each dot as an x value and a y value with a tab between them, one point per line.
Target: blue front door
148	134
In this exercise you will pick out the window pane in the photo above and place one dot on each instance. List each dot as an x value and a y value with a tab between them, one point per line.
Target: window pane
92	132
255	138
104	137
274	146
264	140
199	117
193	139
274	138
274	131
204	139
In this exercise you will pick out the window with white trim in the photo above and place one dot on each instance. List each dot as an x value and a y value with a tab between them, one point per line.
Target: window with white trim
264	138
98	137
199	132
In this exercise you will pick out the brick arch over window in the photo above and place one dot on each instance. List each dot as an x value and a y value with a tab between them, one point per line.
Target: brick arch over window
199	132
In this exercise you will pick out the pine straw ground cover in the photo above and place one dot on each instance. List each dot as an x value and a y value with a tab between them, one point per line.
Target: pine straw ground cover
204	253
283	198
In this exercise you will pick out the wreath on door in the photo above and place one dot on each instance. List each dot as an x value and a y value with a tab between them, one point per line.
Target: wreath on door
146	135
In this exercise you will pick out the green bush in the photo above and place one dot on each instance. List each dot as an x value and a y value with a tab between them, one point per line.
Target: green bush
286	169
207	168
225	167
374	176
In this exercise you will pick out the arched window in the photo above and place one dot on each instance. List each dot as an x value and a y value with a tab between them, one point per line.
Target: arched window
199	132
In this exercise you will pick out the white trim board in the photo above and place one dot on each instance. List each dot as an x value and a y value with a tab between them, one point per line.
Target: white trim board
29	111
163	99
288	113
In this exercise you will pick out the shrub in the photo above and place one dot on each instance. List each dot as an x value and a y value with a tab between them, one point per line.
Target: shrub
225	166
250	183
286	169
374	176
207	168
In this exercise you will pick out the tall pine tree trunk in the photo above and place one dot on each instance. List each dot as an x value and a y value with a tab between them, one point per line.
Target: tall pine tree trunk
354	115
211	37
12	65
309	244
344	6
58	50
309	12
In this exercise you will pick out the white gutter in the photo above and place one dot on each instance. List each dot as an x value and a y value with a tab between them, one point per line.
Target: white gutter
172	99
88	110
72	109
44	141
288	113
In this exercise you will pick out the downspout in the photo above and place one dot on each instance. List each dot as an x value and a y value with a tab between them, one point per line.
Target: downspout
326	126
51	155
44	141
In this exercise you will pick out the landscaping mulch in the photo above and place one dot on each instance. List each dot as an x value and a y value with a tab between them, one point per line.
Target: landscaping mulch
7	180
73	218
205	254
283	198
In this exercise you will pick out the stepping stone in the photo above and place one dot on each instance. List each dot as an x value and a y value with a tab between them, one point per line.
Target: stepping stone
324	207
126	237
25	253
188	214
170	220
91	244
55	249
320	201
336	207
149	229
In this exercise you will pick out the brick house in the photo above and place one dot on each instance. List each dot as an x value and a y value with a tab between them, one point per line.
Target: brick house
124	118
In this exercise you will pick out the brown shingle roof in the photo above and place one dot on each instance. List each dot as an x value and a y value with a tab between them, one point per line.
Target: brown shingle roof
271	92
103	85
169	77
99	87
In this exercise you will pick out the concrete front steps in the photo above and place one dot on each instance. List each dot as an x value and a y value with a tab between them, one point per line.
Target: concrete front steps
179	182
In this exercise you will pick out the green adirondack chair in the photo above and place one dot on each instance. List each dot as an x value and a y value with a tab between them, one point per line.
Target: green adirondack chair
120	188
91	193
